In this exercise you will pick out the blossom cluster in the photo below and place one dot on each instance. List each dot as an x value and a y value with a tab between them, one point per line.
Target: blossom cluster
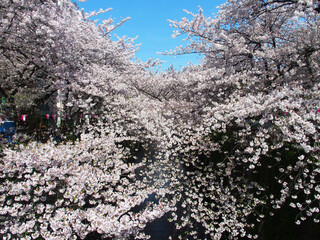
69	190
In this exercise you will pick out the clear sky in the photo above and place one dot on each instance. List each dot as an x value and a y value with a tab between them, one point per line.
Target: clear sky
149	21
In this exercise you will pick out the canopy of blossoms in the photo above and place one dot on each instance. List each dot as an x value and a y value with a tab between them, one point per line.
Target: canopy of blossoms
223	148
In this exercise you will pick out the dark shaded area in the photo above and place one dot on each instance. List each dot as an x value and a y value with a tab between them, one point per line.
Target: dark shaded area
282	227
160	229
93	236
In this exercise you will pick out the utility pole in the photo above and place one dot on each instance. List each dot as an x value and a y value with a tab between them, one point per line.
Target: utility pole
60	108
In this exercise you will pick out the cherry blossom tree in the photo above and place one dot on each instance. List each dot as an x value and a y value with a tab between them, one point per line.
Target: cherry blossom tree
48	46
248	140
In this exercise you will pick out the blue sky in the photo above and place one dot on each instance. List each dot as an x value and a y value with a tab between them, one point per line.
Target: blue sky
149	22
